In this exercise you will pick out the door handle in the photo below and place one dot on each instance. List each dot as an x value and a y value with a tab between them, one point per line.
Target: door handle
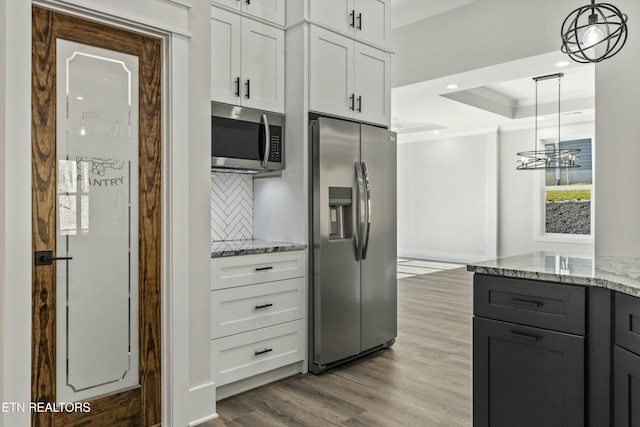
359	21
237	83
352	98
362	209
360	104
367	192
47	258
352	15
267	142
248	89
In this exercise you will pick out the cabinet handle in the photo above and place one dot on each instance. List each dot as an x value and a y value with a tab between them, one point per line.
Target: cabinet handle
237	84
248	2
266	350
352	98
522	336
352	15
360	21
264	268
525	303
258	307
247	86
360	104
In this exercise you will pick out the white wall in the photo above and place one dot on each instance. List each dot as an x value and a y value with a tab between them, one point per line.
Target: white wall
446	198
201	396
489	32
618	149
15	207
519	194
477	35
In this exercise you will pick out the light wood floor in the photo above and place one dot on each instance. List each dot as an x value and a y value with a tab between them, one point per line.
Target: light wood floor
423	380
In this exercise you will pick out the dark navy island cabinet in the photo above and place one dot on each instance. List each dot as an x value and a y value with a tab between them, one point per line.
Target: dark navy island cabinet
528	353
541	354
626	362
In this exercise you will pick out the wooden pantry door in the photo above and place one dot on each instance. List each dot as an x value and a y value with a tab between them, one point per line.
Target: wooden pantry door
96	139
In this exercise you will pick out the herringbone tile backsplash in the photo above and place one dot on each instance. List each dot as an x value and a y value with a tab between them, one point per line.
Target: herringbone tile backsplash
231	206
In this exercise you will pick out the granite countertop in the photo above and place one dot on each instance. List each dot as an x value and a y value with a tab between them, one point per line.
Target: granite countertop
250	247
615	273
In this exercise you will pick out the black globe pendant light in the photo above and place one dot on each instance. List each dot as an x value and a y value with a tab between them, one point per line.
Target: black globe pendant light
594	32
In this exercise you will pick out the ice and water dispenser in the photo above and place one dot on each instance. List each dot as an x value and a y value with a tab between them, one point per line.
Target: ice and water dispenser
340	213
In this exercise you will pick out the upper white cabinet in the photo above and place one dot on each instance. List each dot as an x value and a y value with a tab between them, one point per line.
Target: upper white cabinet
369	20
225	56
349	79
269	10
247	62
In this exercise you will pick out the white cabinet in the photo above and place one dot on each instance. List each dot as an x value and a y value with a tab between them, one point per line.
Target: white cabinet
232	271
251	353
349	79
269	10
247	62
225	56
368	20
258	306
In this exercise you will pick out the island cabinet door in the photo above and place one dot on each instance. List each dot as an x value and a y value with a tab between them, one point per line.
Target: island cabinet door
526	377
626	388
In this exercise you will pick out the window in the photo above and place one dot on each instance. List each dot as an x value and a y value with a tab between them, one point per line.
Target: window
568	193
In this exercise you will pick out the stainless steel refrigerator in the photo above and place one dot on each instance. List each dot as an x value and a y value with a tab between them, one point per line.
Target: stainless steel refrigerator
353	296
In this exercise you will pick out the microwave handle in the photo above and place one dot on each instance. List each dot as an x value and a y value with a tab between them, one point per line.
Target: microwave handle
267	142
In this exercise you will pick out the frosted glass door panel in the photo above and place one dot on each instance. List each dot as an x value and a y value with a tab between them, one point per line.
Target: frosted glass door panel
97	221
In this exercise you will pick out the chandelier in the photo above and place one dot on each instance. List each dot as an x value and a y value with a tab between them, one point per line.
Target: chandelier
594	32
548	158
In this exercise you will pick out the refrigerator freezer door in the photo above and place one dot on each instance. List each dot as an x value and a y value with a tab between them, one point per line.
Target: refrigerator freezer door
336	273
379	282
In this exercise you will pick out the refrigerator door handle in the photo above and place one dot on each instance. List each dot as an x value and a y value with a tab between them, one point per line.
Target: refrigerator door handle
367	183
361	215
267	142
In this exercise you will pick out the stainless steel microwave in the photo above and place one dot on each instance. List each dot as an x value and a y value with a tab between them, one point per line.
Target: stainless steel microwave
246	140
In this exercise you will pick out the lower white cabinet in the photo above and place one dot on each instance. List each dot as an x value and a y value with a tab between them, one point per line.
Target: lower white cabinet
244	308
228	272
258	309
251	353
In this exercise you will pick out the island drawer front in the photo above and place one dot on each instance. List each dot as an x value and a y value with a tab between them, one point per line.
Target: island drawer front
627	322
244	355
246	308
530	302
227	272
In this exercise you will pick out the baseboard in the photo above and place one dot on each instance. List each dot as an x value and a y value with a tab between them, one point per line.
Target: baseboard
442	256
246	384
202	402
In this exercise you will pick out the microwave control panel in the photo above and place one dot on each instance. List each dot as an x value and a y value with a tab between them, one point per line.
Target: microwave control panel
275	155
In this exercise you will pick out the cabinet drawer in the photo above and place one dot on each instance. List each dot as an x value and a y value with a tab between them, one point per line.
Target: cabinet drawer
251	307
227	272
627	322
244	355
529	302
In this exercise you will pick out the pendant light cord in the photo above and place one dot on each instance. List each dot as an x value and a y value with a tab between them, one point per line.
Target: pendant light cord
559	83
535	138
